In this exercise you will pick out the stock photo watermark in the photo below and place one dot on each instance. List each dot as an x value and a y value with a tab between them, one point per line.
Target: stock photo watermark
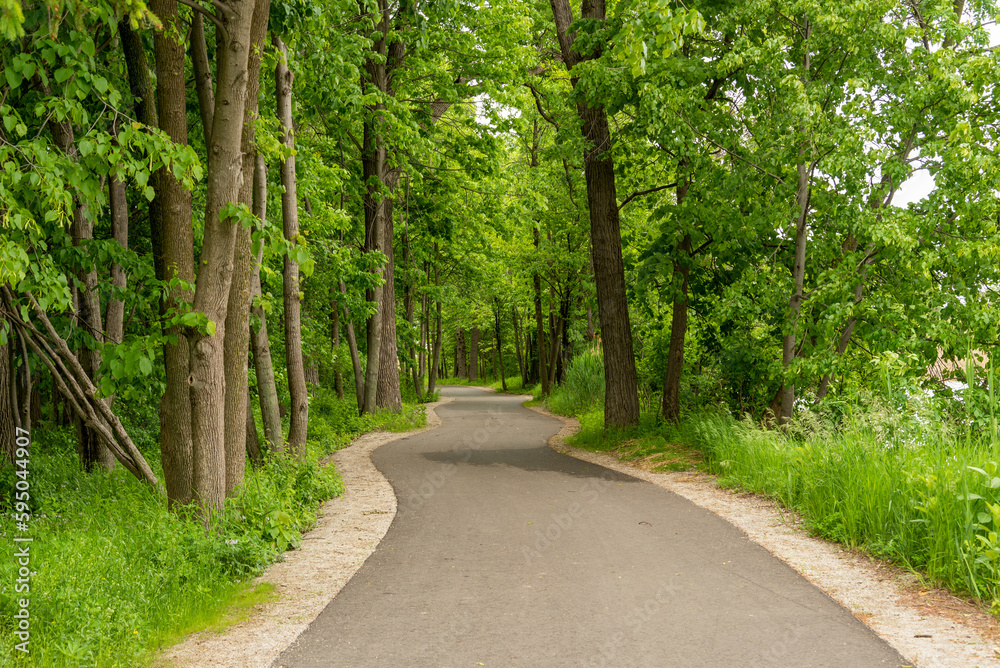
22	542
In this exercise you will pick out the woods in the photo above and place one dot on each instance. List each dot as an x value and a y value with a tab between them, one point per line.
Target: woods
668	209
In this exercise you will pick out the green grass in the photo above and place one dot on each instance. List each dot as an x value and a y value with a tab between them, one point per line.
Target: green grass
115	576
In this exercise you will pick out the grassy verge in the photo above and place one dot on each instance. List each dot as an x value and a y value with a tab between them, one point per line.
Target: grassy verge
115	575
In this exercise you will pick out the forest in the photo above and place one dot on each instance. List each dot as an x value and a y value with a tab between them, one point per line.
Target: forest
686	223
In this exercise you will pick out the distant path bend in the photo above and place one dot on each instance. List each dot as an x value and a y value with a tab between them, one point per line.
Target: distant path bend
506	553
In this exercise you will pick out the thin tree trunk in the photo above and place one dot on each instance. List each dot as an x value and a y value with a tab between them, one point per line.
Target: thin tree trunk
621	401
202	75
503	370
8	414
115	320
373	168
352	344
461	360
474	355
517	347
260	342
435	363
253	438
543	373
173	246
671	407
299	397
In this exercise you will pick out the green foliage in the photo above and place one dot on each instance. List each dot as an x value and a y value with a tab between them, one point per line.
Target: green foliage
116	575
583	390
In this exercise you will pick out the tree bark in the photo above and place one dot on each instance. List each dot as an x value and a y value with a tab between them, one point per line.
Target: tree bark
522	369
474	355
436	360
388	392
267	391
173	244
236	345
621	401
290	215
8	413
461	363
373	167
207	378
114	322
496	329
253	438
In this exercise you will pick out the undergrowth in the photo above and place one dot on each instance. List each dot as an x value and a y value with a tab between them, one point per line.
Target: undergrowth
115	575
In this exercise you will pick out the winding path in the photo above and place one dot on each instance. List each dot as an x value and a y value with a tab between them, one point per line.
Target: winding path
507	553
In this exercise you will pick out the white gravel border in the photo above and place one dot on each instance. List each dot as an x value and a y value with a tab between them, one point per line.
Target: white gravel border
349	529
878	594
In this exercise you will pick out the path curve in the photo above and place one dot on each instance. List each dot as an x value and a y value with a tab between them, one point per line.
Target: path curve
504	552
349	529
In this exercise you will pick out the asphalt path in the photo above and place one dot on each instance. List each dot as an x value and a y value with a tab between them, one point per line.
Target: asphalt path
507	553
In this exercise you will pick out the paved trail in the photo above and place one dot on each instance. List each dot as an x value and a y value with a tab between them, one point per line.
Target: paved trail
506	553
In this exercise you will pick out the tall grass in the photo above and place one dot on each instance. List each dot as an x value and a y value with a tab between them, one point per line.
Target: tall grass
115	575
583	390
931	505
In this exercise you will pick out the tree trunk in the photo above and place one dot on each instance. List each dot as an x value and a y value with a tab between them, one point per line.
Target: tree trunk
474	355
388	394
543	372
521	368
373	167
352	344
8	413
224	177
621	401
93	452
114	322
253	438
461	360
173	246
236	345
435	364
679	319
503	370
267	390
299	396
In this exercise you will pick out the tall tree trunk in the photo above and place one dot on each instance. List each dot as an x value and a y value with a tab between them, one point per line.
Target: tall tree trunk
461	361
207	377
621	401
521	368
173	246
299	397
503	370
373	167
114	322
352	344
474	355
8	412
236	345
388	394
253	438
425	318
260	343
436	361
543	372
